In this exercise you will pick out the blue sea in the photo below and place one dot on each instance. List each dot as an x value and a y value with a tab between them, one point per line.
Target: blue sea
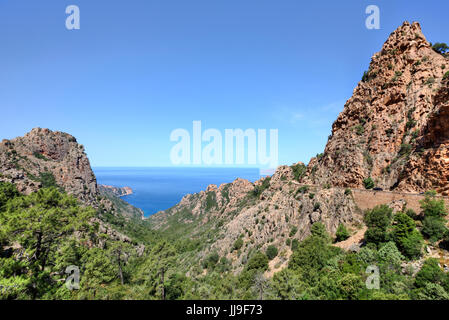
158	189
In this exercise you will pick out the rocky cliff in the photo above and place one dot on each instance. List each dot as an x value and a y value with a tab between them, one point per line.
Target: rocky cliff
395	127
43	157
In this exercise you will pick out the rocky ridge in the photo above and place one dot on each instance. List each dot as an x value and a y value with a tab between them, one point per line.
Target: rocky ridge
46	157
117	191
272	211
43	158
395	127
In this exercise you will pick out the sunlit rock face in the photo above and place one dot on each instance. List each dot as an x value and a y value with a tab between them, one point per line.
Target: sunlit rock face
395	126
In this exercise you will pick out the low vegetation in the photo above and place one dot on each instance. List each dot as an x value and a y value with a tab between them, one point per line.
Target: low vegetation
299	171
342	233
368	183
440	48
51	230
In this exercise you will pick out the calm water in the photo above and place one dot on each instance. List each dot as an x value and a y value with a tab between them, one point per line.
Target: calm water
158	189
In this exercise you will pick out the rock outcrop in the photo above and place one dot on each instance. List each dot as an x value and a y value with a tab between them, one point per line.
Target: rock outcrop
117	191
43	157
395	127
272	211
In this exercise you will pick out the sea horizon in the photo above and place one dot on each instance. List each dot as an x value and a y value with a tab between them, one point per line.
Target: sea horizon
160	188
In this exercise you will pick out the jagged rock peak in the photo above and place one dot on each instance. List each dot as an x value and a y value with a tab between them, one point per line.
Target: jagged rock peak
387	129
43	156
405	37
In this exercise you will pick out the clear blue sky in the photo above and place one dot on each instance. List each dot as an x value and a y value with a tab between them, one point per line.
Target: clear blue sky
138	69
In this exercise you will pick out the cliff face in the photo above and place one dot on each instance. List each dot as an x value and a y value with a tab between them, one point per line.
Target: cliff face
45	157
395	126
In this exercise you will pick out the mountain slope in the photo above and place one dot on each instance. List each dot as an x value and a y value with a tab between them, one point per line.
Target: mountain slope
394	129
275	211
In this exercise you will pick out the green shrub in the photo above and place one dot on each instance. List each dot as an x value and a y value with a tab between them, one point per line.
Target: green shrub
319	230
410	124
389	132
378	220
411	246
238	244
39	156
303	189
414	134
405	149
265	185
299	170
434	228
295	244
293	231
342	233
430	273
368	158
313	253
412	214
271	252
368	183
348	191
446	76
258	261
433	207
210	261
224	265
389	257
8	191
359	129
431	291
211	201
47	179
365	76
440	48
407	238
368	76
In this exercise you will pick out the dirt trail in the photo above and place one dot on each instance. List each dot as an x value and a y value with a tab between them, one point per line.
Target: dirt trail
354	239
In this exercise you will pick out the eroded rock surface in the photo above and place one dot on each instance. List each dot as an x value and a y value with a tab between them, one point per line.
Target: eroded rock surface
395	127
